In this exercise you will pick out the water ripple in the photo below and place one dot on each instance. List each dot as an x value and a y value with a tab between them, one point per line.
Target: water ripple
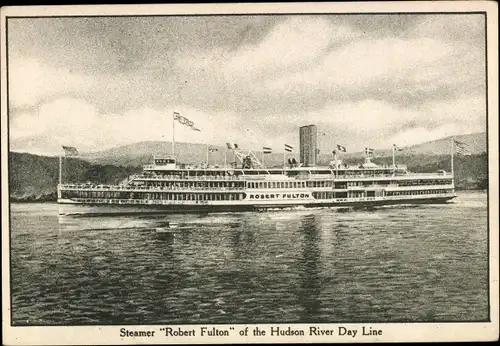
425	263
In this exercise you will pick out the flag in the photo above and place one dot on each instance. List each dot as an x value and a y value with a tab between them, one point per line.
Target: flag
334	152
267	150
396	148
368	150
461	148
288	148
229	145
235	146
462	151
70	151
185	121
341	148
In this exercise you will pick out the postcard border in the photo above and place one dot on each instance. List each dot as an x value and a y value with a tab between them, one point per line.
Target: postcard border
488	137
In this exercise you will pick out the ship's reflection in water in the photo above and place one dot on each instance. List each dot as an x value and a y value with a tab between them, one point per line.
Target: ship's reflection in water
308	264
390	264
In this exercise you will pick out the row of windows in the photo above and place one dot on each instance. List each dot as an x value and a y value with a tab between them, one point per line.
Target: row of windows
413	193
359	194
195	185
424	182
157	196
164	161
289	184
338	185
185	176
323	195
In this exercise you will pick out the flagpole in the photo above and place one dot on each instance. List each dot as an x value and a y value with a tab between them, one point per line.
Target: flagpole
336	165
173	134
284	159
225	158
263	159
207	153
393	159
60	169
452	156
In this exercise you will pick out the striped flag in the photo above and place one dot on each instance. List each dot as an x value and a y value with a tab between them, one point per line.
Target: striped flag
368	150
461	148
185	121
341	148
267	150
70	151
396	148
462	151
288	148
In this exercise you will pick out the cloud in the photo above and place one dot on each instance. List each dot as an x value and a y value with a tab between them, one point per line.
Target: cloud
70	121
464	28
30	81
364	62
364	80
294	42
421	134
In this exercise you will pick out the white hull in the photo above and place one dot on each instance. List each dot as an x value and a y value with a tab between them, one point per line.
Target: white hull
102	207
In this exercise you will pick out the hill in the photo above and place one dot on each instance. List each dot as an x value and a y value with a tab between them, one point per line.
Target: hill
141	153
476	144
35	178
192	153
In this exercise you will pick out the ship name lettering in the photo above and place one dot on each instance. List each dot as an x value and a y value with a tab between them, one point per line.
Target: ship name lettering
178	332
213	332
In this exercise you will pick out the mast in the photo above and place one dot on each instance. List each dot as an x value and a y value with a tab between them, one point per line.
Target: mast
452	156
173	133
208	150
336	164
60	169
393	159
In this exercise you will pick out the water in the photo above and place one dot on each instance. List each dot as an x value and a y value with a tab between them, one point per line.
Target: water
393	264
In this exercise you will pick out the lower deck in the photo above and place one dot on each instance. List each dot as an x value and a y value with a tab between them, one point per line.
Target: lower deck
120	206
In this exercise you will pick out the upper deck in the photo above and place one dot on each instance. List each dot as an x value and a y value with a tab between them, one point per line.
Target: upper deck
166	168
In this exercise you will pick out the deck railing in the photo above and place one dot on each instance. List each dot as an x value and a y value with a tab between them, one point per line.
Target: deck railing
148	188
286	177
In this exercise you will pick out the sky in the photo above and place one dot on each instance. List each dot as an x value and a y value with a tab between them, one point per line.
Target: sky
365	80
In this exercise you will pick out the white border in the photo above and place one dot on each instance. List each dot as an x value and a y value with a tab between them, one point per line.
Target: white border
391	332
